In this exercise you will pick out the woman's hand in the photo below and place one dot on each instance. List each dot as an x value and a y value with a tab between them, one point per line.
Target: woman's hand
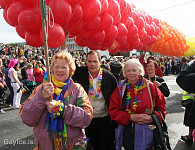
20	84
51	105
48	90
141	118
157	83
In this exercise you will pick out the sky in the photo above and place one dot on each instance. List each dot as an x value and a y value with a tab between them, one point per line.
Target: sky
177	13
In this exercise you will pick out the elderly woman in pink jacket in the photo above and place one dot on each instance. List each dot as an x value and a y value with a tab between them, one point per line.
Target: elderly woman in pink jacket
58	123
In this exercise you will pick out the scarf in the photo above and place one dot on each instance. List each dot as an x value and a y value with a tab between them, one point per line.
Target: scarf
54	122
132	104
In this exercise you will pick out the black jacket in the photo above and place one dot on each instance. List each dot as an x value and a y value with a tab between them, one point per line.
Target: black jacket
163	87
109	82
186	78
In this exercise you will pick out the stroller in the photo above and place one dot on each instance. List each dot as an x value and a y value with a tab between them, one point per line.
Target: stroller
2	95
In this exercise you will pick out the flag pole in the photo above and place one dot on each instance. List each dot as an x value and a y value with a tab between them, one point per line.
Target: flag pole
45	40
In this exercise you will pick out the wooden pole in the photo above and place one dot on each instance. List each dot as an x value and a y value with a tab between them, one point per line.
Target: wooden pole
45	41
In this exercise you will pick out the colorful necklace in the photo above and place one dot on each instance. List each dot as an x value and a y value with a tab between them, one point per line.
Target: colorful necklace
139	85
91	90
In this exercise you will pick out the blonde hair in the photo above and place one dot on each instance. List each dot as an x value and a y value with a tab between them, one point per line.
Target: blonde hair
29	65
137	62
65	56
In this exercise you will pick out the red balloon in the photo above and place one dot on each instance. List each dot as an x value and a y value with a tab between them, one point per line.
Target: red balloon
90	8
111	33
156	21
126	10
150	19
21	32
147	28
139	46
157	30
132	38
6	19
97	36
104	4
106	21
133	30
6	3
152	30
76	29
29	20
61	10
145	39
125	47
85	35
77	15
140	23
31	3
92	23
129	23
33	39
56	36
122	30
135	43
114	9
76	1
153	40
142	33
135	16
79	41
107	44
14	10
122	40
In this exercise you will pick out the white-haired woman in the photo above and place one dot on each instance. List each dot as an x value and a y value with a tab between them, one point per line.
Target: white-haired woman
131	106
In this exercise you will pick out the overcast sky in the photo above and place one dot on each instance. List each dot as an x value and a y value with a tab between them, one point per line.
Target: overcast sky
178	13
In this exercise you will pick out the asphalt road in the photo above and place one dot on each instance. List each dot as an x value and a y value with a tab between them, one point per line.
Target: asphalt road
14	135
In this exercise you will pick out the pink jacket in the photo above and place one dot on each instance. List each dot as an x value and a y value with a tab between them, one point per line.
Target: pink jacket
30	75
77	115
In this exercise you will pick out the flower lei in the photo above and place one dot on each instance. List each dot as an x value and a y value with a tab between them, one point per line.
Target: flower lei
58	110
131	108
91	90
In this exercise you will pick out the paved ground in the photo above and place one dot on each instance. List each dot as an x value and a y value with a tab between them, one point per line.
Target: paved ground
15	135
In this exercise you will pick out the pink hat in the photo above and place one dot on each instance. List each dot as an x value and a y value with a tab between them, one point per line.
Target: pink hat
12	63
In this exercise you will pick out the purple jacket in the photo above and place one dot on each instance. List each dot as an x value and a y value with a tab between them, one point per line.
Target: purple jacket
77	115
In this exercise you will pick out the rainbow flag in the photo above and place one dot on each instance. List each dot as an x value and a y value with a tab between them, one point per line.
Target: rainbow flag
23	90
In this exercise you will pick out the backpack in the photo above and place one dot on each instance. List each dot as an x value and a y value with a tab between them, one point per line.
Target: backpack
160	133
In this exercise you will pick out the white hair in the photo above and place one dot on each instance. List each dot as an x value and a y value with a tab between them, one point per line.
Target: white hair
137	62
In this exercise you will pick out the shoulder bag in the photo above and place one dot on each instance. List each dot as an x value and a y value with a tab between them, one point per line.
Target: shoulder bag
160	132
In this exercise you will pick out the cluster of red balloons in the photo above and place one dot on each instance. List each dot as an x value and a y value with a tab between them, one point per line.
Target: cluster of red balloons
170	41
99	24
25	16
114	25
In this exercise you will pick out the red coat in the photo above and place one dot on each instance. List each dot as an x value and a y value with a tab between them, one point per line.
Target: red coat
123	117
38	74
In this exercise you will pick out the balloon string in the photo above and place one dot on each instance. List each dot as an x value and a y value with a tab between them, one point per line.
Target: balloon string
49	15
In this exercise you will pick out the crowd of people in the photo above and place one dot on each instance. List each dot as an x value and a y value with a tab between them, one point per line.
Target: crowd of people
108	100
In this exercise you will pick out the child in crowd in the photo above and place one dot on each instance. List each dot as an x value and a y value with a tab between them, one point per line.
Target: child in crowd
30	77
